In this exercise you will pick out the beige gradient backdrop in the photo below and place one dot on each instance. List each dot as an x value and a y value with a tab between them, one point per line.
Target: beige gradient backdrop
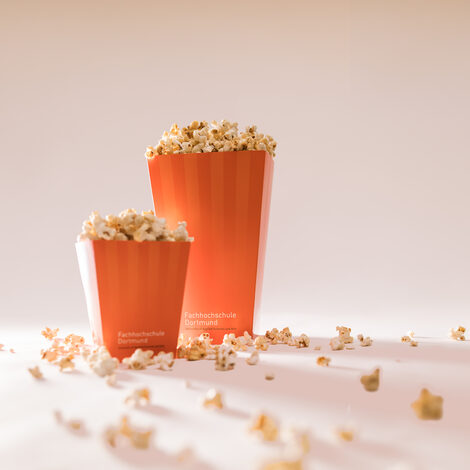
369	101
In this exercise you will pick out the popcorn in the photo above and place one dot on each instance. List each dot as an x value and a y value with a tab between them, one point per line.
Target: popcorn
72	424
336	344
139	360
371	382
139	397
213	399
405	339
101	362
111	380
297	442
220	136
284	336
345	334
302	341
364	341
138	439
344	434
414	343
272	335
411	334
265	427
253	358
164	360
317	348
261	343
428	406
323	361
269	376
12	351
49	334
66	363
129	225
35	372
225	358
236	343
457	334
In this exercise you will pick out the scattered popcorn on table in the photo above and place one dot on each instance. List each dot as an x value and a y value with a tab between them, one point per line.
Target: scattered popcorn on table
138	439
371	382
164	360
428	406
344	434
129	225
35	372
222	136
49	333
213	399
336	344
139	397
101	362
364	341
302	341
253	358
225	358
270	376
458	334
261	343
323	361
272	335
139	360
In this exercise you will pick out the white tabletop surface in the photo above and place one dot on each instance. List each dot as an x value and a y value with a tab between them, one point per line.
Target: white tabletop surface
387	433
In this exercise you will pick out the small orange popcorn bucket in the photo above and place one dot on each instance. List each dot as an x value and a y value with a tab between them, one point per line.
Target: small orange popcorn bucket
225	199
134	292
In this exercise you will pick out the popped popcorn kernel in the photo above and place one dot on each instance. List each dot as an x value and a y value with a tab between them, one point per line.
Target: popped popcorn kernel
428	406
323	361
253	358
411	334
35	372
317	348
74	340
136	438
66	363
101	362
336	343
344	434
405	339
213	399
345	334
139	360
272	335
264	427
222	136
111	380
129	225
371	382
285	335
413	343
261	343
164	360
138	397
364	341
302	341
71	424
225	358
458	334
49	333
270	376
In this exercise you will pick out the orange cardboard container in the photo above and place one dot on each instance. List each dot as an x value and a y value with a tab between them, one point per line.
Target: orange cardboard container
134	292
225	199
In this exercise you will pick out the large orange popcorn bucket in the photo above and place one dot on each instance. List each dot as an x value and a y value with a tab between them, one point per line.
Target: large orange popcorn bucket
225	199
134	292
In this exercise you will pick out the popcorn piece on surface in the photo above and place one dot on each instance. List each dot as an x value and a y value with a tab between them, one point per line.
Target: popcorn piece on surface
75	424
49	333
428	406
371	382
323	361
164	360
272	335
35	372
364	341
138	439
414	343
12	350
344	434
411	334
247	339
317	348
297	442
405	339
253	358
285	335
139	360
284	465
213	399
1	347
111	380
302	341
222	136
265	427
129	225
458	334
185	455
71	424
261	343
336	344
101	362
66	363
270	376
345	334
238	344
225	358
139	397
